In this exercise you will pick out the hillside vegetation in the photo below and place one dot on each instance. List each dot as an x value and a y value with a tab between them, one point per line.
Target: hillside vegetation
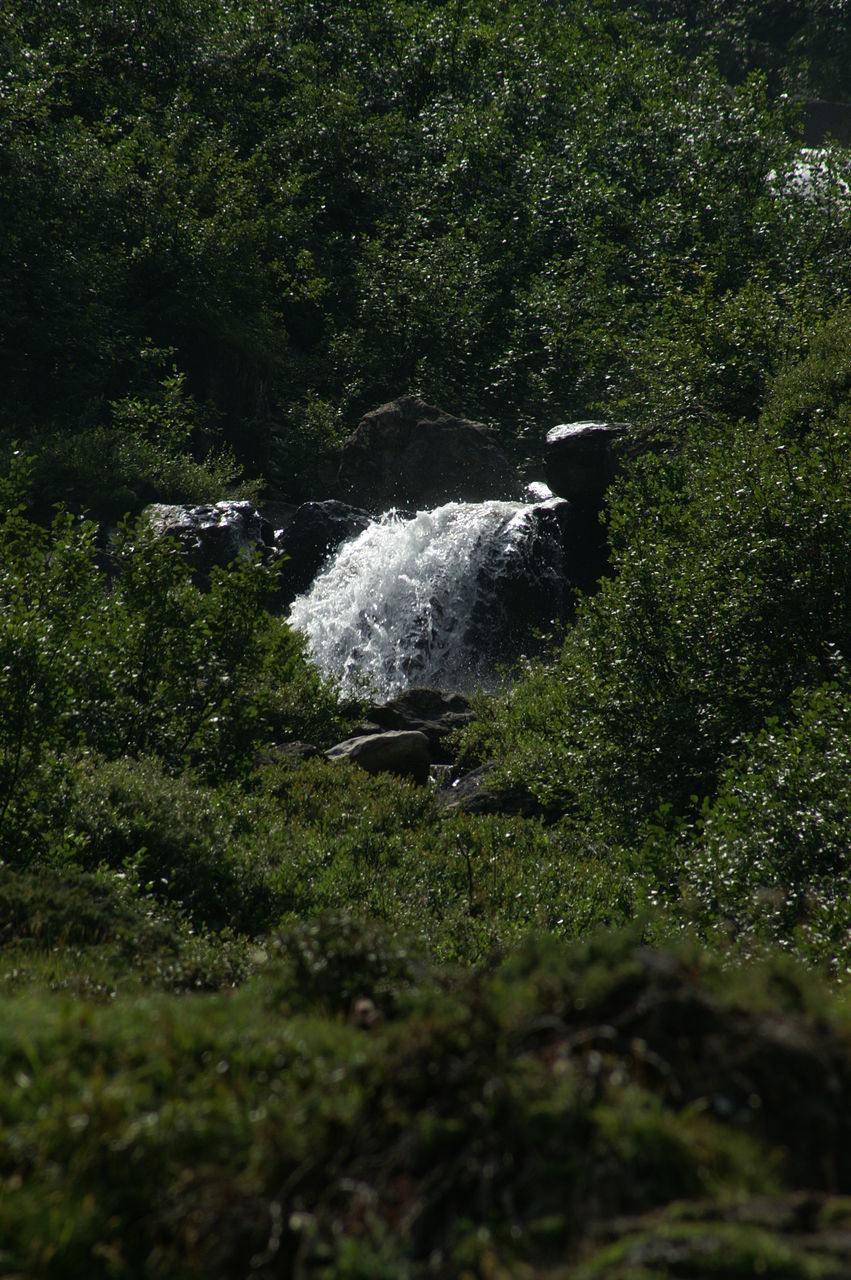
271	1017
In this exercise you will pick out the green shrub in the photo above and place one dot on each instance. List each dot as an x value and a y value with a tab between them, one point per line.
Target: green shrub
771	861
731	591
508	1115
182	842
324	965
339	840
144	453
98	935
136	662
818	387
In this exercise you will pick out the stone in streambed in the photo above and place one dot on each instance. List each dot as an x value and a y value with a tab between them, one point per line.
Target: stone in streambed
405	753
428	711
314	532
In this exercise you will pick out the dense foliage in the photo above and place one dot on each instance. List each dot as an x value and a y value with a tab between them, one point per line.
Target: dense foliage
728	612
264	1014
522	212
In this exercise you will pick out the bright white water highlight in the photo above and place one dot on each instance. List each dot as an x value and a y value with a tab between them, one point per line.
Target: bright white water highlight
402	604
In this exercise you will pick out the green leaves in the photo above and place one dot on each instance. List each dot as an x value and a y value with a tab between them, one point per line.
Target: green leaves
731	591
772	859
139	664
520	214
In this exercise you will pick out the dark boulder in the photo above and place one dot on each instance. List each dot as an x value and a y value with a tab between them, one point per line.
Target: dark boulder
315	531
287	753
823	120
411	455
526	584
276	513
582	460
482	791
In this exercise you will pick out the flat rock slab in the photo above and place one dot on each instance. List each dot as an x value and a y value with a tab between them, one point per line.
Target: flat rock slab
405	753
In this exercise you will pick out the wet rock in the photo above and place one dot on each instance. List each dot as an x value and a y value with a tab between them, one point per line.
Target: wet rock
401	752
212	534
315	531
526	584
411	455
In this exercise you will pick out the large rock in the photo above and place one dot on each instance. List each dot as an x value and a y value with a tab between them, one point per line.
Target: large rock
481	791
411	455
405	753
823	120
276	513
427	711
212	534
582	459
526	583
315	531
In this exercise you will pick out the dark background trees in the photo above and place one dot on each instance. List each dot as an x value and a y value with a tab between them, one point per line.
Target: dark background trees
308	208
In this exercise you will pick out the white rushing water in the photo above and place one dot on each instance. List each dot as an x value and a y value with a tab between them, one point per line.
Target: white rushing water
397	605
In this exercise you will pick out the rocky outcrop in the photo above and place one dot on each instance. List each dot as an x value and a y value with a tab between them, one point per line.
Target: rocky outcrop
401	752
212	534
526	584
411	455
276	513
483	791
315	531
426	711
297	540
582	459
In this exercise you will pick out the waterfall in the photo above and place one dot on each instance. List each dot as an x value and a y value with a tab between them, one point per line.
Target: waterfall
429	599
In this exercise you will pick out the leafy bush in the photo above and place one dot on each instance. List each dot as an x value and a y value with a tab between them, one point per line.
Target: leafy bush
514	212
328	963
153	1133
181	842
341	840
135	662
95	935
771	861
816	388
144	453
732	590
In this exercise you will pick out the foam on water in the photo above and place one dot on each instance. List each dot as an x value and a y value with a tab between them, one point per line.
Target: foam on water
395	605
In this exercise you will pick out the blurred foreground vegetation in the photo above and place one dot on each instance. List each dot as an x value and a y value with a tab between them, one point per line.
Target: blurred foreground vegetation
264	1015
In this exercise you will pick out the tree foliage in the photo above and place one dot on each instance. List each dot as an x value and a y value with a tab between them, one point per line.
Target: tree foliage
520	213
731	591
